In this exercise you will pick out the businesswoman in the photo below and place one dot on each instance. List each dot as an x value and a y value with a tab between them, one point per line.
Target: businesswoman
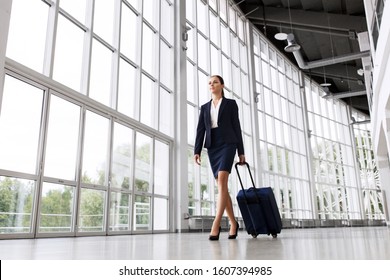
219	131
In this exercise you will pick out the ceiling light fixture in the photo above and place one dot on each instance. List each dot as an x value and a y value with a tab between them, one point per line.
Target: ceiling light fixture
281	36
292	46
325	84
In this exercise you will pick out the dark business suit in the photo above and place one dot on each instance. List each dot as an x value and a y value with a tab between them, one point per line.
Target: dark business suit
228	123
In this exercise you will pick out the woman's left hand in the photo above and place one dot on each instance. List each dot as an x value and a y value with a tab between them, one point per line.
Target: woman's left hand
241	159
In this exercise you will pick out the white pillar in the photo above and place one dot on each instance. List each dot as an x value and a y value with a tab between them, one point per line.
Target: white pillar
5	15
384	174
180	167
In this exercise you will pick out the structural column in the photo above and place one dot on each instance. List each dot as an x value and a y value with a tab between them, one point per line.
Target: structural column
5	16
180	167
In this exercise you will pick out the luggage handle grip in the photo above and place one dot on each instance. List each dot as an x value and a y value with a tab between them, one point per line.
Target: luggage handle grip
250	173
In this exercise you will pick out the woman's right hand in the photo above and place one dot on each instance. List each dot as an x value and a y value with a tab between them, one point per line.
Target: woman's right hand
197	159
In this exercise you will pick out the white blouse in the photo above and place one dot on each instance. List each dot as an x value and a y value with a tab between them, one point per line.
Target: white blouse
214	113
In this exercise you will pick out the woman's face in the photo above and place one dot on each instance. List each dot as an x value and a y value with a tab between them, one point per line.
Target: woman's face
215	85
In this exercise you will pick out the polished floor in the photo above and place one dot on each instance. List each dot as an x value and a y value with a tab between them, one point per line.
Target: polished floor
346	243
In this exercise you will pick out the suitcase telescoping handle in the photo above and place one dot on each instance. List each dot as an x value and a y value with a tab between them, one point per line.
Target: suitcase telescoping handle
244	193
239	177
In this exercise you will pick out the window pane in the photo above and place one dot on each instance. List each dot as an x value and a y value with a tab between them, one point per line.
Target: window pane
126	89
120	211
91	215
75	8
166	65
16	205
95	149
148	101
56	208
265	71
203	47
104	19
268	107
161	168
190	11
128	42
243	57
191	82
204	92
68	57
205	186
122	157
236	80
235	48
192	117
247	118
31	33
191	173
150	12
142	210
167	27
226	71
269	124
143	156
215	64
136	4
205	208
62	139
241	28
202	16
191	48
20	121
100	73
149	51
225	39
232	18
222	9
166	112
214	32
160	214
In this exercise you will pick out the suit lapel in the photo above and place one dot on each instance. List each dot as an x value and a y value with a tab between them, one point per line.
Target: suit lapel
207	116
223	105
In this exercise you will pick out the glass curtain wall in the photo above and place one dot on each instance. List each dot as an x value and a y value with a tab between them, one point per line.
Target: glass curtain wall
216	46
369	174
282	136
311	164
87	109
338	192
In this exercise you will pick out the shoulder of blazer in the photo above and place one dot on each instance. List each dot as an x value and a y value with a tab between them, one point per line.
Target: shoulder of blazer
207	104
230	102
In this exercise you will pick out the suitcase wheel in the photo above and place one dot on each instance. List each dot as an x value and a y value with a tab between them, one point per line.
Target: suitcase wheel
254	235
274	235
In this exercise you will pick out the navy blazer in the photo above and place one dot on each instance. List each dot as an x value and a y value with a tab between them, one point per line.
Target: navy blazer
228	123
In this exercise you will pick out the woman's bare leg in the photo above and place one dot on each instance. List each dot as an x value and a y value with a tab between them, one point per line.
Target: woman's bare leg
230	214
224	202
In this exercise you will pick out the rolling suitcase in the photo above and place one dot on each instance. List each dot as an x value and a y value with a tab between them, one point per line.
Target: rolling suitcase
258	209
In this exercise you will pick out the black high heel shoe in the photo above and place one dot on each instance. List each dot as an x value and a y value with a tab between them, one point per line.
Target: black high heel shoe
215	237
234	236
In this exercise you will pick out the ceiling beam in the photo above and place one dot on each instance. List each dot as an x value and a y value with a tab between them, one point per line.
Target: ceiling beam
310	20
344	94
328	61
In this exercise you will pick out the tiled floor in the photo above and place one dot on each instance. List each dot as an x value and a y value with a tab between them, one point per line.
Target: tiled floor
349	243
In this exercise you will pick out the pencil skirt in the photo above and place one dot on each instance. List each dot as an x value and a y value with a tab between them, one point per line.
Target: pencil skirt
221	154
